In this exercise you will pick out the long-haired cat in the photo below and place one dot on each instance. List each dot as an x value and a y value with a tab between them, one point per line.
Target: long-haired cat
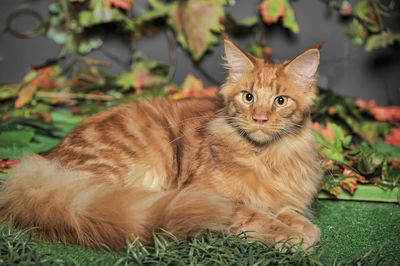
243	163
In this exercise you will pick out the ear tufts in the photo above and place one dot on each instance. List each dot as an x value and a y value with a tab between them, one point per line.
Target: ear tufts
318	45
237	61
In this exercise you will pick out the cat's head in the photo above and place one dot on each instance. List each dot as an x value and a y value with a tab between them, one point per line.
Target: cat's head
267	101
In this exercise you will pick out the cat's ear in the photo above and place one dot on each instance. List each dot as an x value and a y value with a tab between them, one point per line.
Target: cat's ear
237	61
304	67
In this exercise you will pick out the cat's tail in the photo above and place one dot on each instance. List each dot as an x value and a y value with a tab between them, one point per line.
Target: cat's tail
67	206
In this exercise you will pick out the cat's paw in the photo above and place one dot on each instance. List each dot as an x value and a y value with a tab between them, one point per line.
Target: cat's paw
299	222
292	239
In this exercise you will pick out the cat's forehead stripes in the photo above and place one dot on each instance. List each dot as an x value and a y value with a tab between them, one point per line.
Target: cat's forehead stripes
267	79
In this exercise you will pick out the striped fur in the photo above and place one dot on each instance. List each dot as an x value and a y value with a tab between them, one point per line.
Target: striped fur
182	166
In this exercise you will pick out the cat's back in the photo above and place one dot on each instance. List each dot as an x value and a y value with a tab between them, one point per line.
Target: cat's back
143	139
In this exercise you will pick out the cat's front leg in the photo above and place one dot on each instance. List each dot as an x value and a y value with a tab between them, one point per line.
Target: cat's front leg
296	220
266	227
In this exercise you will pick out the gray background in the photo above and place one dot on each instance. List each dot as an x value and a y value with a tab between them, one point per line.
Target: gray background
344	68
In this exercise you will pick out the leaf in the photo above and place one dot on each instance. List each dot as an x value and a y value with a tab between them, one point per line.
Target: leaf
356	31
47	78
158	10
193	87
194	21
394	137
350	180
143	74
387	113
259	50
370	160
25	95
392	152
124	4
88	79
248	21
272	10
380	40
20	138
371	131
345	8
8	91
99	14
78	39
366	12
331	141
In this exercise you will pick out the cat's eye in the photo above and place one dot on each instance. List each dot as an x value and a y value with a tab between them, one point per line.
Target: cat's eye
281	100
247	97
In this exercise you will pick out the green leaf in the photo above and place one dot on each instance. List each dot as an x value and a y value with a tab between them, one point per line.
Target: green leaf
272	10
289	20
158	10
248	21
356	31
20	138
366	12
380	40
367	193
370	160
393	152
256	49
143	74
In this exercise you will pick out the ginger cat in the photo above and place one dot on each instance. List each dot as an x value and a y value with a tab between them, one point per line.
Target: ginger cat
244	163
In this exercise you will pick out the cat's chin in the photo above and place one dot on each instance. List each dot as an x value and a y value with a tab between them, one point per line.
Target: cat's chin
260	137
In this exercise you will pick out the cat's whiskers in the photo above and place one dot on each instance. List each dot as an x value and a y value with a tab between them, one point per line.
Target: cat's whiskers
175	124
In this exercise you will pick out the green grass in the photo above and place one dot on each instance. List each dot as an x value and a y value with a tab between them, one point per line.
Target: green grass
352	229
353	233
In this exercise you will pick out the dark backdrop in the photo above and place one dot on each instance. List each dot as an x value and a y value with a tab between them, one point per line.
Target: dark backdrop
344	68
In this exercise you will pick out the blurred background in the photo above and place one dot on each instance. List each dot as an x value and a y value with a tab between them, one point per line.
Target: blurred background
352	63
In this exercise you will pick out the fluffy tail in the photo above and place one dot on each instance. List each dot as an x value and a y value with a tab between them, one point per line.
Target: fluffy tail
65	205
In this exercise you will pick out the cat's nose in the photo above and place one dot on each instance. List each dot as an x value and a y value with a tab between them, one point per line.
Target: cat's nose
260	119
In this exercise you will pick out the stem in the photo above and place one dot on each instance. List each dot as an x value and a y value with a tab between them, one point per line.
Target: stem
172	54
66	27
377	11
97	97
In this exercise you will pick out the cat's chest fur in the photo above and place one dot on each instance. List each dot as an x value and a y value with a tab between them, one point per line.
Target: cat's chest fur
276	177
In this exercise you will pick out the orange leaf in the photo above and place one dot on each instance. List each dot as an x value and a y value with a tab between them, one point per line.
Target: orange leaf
193	87
25	95
42	115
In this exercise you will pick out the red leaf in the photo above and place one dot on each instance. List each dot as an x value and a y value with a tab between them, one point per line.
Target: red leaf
5	164
124	4
394	137
389	113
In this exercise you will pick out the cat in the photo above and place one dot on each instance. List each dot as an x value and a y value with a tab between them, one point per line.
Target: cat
244	162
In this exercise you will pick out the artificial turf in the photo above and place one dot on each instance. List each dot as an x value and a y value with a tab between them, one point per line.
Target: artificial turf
362	233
